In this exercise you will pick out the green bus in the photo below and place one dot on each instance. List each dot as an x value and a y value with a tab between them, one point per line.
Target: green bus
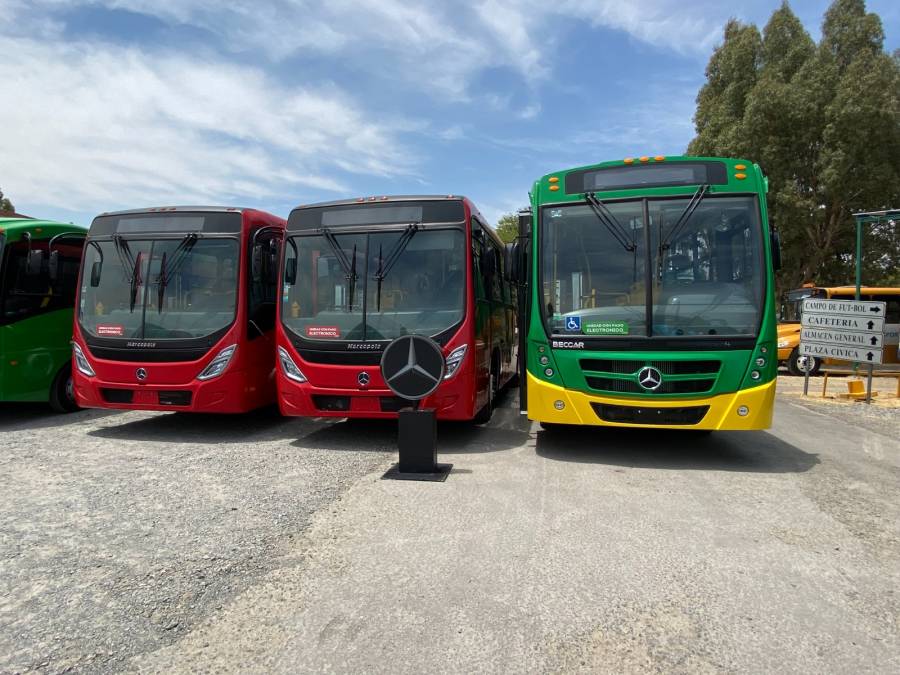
39	262
647	296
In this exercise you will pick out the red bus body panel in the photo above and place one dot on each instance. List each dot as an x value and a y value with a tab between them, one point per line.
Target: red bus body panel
247	383
458	398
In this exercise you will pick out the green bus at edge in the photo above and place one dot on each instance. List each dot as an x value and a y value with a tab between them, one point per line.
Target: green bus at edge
668	326
39	263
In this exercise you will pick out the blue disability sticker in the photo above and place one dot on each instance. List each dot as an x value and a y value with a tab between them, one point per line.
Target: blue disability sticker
573	323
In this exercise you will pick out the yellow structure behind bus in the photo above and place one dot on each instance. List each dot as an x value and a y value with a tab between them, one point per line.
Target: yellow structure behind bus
789	322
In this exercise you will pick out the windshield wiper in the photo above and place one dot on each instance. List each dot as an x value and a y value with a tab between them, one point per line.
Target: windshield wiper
605	216
124	252
384	266
348	266
683	219
135	279
179	255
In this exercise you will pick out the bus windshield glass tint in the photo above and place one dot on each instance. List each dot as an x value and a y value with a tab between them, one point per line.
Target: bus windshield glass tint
420	292
704	277
159	289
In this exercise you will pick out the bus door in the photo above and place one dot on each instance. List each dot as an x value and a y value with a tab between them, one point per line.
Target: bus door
262	297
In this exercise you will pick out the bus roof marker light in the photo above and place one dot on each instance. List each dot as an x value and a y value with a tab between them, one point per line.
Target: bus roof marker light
629	160
554	188
660	158
645	159
553	179
740	167
740	176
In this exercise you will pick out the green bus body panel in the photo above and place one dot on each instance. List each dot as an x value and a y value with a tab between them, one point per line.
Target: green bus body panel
737	365
33	350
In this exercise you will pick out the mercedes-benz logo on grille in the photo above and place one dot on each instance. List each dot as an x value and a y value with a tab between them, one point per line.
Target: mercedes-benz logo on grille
363	379
140	374
412	366
649	378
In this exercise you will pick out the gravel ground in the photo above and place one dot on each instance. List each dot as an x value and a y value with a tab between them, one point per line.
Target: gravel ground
882	415
120	531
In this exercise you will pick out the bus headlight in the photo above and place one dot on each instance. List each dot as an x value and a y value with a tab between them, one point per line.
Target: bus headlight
754	375
760	362
81	361
291	371
218	365
784	343
454	361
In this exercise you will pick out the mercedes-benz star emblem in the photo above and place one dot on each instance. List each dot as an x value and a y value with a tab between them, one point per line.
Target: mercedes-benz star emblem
649	378
140	374
412	366
363	379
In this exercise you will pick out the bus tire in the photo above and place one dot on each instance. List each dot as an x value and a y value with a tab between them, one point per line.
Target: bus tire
62	393
484	415
796	363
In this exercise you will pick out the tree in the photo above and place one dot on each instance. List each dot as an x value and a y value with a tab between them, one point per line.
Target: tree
5	204
508	227
822	122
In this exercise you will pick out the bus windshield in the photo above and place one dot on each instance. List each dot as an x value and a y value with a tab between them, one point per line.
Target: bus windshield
700	275
166	288
374	285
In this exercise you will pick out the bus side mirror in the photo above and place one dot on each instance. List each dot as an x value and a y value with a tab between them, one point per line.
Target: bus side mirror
524	221
256	263
53	266
290	271
95	273
512	261
776	250
34	262
488	263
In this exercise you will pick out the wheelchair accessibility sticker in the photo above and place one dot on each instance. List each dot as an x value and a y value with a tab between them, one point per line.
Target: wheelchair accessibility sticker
573	324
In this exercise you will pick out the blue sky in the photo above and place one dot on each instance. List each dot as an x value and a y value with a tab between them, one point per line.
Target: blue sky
126	103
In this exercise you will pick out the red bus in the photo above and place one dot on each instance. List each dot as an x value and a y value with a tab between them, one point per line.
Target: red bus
360	273
176	310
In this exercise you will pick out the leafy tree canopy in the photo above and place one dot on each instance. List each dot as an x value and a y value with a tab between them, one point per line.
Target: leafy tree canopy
822	121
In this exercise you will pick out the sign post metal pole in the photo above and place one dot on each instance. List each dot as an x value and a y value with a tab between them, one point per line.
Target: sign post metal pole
869	385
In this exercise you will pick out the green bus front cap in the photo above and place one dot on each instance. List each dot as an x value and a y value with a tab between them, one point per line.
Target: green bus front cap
651	176
36	326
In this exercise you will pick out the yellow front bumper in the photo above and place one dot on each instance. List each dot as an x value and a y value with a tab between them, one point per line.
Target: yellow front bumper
722	414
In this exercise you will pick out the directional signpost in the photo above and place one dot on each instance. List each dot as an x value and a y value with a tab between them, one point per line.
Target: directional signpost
848	330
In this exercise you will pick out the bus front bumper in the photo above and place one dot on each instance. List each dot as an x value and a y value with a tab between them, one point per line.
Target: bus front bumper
556	405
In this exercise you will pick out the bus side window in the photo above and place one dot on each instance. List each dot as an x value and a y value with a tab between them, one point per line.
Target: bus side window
263	291
25	295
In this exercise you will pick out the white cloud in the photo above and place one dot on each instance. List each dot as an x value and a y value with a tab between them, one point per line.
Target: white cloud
439	47
97	127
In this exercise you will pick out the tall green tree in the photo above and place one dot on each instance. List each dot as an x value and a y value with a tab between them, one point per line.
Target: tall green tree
508	227
822	120
5	204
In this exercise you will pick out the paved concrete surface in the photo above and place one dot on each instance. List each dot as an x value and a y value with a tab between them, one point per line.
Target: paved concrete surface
584	551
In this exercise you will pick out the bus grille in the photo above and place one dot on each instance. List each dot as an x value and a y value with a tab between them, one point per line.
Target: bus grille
624	414
632	387
700	376
117	395
331	403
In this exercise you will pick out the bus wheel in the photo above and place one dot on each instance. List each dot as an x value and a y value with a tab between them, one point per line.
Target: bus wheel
62	391
484	415
798	364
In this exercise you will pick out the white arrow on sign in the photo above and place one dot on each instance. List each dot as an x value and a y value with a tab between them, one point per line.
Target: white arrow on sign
826	351
842	322
847	307
842	337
